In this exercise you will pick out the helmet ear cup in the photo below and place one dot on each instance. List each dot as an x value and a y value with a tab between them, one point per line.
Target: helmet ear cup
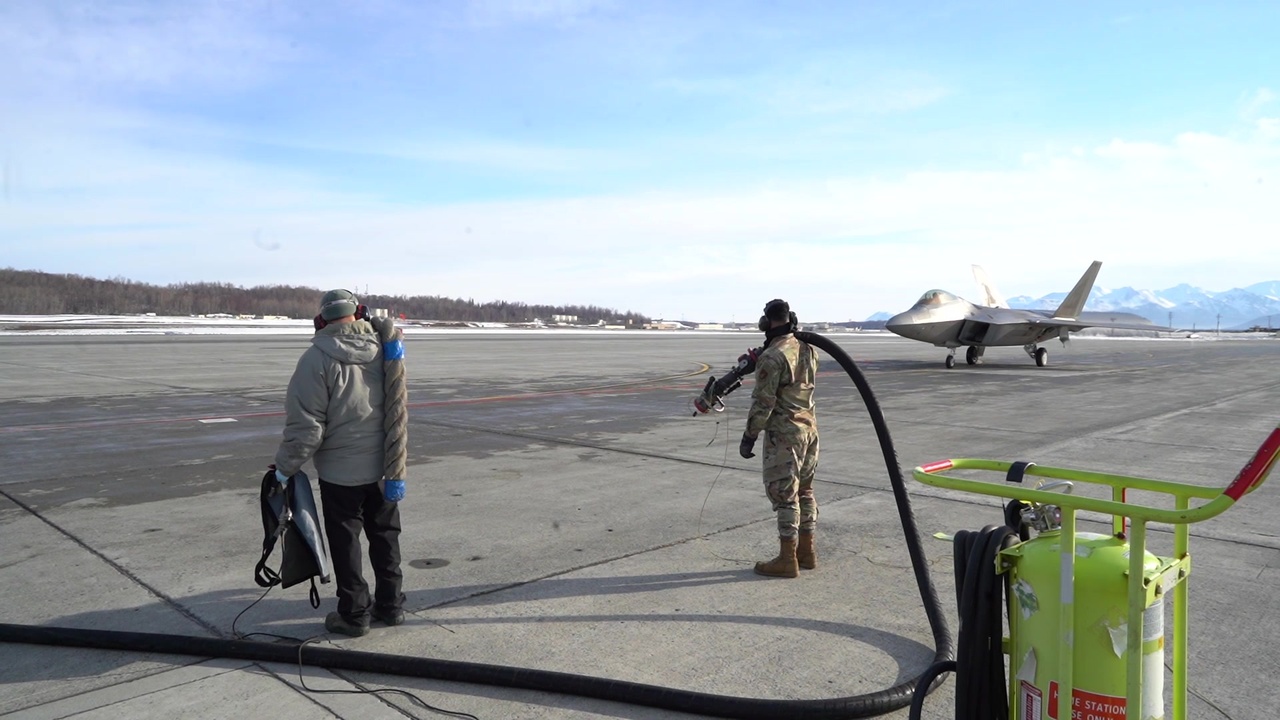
795	321
763	324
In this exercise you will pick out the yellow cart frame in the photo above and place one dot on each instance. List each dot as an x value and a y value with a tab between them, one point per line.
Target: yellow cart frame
1142	589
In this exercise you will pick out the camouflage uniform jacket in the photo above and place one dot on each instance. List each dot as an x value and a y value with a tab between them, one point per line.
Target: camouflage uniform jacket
782	401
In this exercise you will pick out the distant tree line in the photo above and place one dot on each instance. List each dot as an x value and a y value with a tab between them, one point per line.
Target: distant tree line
29	292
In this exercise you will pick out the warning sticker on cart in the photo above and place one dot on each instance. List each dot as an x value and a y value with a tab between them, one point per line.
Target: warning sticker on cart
1030	700
1087	705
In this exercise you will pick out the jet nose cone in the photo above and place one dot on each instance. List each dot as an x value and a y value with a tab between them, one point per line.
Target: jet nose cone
901	323
909	324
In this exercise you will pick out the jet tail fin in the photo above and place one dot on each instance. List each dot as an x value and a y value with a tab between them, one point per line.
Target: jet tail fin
990	296
1074	302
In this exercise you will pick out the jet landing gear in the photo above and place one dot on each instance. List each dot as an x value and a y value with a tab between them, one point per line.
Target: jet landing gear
972	356
1039	354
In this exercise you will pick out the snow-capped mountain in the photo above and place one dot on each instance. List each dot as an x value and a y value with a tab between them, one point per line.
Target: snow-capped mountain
1182	306
1266	289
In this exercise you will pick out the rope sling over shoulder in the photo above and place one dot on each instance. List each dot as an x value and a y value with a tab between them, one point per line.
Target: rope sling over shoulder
289	514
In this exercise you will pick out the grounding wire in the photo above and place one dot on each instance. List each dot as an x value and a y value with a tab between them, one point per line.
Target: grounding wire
316	638
723	464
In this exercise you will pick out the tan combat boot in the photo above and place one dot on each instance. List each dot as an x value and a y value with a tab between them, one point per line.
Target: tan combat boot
785	564
806	556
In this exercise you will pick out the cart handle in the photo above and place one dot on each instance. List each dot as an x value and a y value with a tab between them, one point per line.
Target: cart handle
1257	469
1250	478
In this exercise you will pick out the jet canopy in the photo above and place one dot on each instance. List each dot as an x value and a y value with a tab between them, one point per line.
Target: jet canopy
934	298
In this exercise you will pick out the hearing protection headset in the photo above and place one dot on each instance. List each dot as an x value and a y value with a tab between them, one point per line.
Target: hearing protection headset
778	310
362	313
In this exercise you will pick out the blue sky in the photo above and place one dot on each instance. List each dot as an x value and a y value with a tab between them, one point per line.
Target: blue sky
683	160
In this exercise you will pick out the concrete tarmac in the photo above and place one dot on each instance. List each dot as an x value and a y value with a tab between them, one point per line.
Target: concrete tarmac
566	513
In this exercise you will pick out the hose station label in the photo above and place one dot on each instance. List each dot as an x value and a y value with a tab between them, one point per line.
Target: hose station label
1087	705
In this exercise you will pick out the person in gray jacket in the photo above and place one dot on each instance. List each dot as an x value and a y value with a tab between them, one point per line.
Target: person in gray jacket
334	417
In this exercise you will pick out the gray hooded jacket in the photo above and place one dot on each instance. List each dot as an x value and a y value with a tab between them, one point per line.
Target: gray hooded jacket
333	409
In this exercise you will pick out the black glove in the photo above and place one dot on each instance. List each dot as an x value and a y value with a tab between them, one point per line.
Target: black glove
746	445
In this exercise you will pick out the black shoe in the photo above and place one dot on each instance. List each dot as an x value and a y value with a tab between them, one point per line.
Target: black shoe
389	616
335	623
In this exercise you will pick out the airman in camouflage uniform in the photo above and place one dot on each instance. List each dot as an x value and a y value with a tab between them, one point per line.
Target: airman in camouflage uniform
782	407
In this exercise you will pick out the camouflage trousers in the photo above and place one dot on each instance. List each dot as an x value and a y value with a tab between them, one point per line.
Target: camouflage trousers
789	466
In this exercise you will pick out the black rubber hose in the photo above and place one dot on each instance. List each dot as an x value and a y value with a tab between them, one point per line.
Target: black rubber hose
927	679
860	706
903	693
981	692
980	633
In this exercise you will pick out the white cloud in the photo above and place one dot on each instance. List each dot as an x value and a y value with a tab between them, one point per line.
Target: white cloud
107	189
1269	129
836	87
1254	104
1147	151
77	49
487	13
493	154
1155	213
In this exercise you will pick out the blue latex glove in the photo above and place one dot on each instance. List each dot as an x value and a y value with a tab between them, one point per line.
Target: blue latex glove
393	490
282	479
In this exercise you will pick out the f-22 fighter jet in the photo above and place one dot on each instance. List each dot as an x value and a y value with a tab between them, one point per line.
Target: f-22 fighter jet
945	320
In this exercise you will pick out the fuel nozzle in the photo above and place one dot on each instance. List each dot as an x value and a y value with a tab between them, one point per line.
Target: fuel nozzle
712	396
1045	517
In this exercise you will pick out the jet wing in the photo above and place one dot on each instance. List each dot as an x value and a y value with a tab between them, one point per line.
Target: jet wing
1026	327
1081	324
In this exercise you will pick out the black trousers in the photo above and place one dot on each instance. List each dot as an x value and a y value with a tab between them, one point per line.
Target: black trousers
347	512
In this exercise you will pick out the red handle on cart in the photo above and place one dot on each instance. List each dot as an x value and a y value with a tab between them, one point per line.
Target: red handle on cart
1255	471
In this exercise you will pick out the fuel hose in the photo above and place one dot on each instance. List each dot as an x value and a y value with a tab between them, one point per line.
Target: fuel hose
687	701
